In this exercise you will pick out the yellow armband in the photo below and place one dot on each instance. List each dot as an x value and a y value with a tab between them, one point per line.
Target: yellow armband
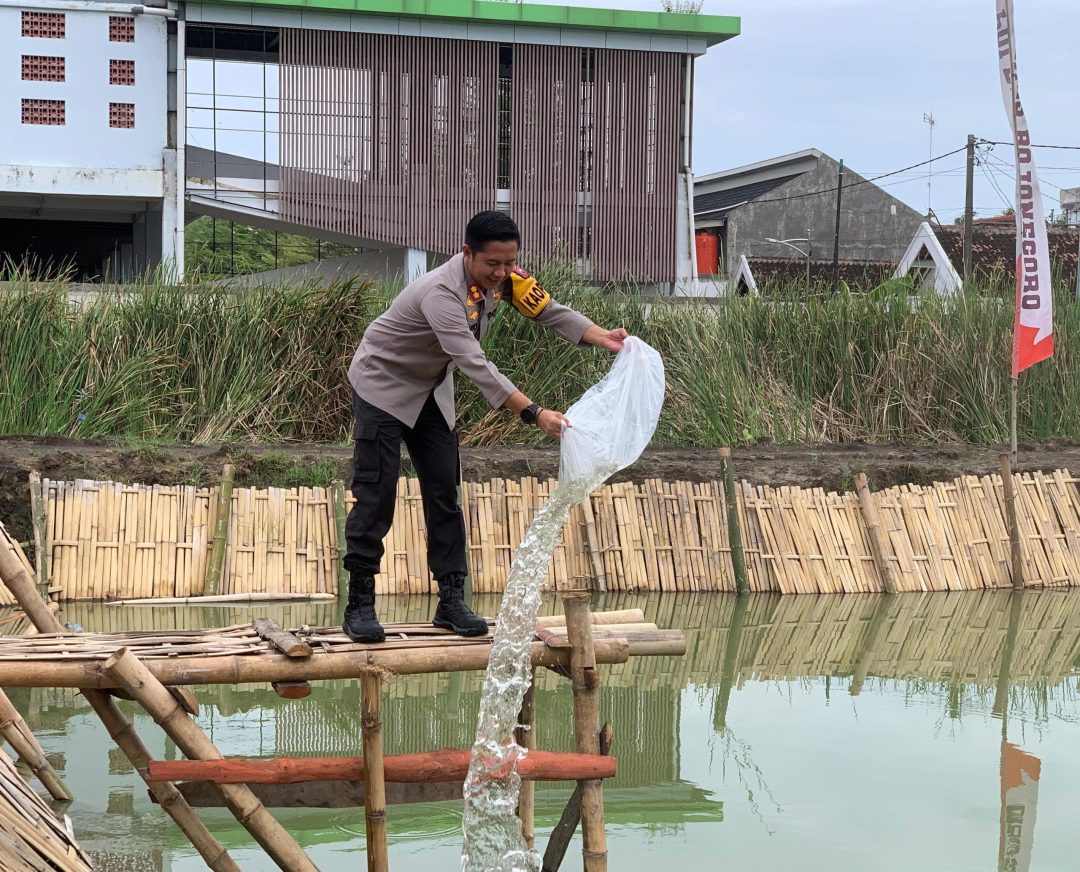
527	296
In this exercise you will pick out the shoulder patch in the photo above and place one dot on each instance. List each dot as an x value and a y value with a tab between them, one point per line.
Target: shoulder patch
526	294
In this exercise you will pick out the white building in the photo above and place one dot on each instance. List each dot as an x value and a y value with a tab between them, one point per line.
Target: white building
88	158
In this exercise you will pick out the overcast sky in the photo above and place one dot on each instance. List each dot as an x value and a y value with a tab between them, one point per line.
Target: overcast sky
854	77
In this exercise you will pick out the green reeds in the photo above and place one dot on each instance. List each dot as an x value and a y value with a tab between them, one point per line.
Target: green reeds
203	363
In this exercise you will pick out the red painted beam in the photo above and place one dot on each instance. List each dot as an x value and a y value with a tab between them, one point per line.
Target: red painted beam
446	764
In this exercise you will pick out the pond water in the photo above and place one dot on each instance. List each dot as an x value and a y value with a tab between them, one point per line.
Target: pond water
810	733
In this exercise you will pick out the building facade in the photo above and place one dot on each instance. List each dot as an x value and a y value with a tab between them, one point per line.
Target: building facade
385	130
794	197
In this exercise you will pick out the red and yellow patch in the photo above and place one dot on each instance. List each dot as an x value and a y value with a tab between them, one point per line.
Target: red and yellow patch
476	294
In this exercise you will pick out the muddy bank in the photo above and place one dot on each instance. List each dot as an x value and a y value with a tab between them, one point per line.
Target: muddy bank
828	466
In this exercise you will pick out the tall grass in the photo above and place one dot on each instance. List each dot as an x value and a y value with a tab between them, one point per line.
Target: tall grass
204	364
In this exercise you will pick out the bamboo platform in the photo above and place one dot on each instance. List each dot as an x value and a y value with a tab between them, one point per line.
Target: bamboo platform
119	541
237	654
32	839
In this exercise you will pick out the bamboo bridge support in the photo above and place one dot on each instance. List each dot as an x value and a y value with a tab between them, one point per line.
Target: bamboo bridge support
525	735
378	857
15	577
585	682
25	744
130	673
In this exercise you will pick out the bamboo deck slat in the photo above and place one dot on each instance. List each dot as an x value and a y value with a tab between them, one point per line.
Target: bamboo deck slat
125	541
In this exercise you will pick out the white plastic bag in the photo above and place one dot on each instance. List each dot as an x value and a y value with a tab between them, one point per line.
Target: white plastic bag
614	419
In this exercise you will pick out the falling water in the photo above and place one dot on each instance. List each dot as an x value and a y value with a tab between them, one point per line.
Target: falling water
493	838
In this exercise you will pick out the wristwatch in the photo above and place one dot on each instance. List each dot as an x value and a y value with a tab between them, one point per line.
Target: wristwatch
530	415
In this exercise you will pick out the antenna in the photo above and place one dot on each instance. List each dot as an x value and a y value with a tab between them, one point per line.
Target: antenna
929	119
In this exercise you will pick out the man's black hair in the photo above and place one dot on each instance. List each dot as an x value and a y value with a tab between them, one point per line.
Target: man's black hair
490	226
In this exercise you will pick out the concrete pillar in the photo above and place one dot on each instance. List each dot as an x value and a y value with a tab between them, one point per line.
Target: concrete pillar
415	263
686	254
172	261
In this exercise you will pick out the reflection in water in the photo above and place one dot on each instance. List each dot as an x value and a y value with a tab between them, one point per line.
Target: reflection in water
747	750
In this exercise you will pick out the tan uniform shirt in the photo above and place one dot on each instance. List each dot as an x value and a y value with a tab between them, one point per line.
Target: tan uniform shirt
414	347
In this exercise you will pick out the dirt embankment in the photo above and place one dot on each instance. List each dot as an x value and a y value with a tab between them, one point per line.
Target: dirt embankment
828	466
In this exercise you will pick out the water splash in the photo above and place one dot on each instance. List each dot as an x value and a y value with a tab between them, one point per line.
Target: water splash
494	841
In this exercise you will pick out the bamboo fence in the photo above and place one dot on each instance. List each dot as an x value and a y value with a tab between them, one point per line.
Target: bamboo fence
31	836
116	541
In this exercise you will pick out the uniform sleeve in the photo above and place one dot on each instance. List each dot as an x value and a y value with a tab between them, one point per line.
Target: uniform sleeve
526	295
445	314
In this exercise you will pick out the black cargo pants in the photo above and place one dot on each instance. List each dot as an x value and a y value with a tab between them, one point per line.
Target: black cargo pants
433	447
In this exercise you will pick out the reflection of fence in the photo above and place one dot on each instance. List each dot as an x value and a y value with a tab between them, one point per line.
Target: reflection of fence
110	540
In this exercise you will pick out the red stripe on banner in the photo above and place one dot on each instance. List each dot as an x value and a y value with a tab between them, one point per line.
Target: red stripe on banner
1033	324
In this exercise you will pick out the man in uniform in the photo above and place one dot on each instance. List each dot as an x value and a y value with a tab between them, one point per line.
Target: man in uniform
403	391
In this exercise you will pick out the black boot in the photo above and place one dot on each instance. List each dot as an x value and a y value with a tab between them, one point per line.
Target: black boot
361	624
453	613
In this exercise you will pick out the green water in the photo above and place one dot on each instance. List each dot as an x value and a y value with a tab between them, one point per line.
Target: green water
751	753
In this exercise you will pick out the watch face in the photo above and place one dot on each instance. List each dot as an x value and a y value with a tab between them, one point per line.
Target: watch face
528	414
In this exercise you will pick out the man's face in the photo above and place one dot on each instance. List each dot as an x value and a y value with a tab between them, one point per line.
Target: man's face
492	263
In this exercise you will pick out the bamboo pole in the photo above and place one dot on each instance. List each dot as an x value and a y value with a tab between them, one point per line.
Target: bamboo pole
25	744
618	616
585	682
130	673
119	727
738	555
265	668
873	528
525	736
237	598
338	489
41	546
428	767
600	582
165	793
1016	553
374	775
25	591
212	581
560	837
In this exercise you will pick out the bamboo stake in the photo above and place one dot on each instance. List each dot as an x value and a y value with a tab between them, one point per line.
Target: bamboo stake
599	576
374	776
41	548
338	489
738	556
873	529
560	837
585	681
525	735
119	727
1016	553
133	676
212	582
25	744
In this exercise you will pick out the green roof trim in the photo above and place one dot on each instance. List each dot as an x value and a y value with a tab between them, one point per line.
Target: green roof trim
711	28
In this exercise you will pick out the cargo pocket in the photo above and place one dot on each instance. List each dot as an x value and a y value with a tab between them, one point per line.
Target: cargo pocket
366	454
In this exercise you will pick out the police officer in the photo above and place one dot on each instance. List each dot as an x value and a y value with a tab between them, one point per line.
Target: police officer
403	391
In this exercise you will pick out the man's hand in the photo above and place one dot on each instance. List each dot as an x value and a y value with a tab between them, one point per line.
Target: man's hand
612	340
552	423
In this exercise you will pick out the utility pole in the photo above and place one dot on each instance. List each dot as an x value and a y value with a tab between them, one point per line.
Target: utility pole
969	209
930	120
836	235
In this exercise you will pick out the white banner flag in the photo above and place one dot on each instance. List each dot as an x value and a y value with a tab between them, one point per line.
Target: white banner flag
1033	331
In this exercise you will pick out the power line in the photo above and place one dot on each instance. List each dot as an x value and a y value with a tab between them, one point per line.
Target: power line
1064	147
860	182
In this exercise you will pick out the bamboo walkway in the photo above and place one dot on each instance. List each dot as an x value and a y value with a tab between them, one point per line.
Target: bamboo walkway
32	839
117	541
247	653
